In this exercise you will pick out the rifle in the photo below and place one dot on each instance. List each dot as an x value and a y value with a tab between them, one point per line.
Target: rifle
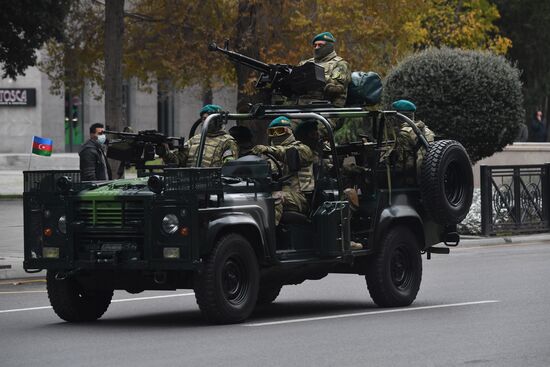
282	79
138	148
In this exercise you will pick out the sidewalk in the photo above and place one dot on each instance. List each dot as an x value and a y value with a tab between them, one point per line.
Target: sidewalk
12	267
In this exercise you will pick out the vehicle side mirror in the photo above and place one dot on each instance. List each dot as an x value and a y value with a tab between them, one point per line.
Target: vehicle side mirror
293	160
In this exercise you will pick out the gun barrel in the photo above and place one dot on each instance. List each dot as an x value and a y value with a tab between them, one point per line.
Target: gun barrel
241	59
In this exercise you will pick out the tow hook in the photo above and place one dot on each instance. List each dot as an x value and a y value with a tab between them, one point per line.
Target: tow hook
451	239
160	277
66	274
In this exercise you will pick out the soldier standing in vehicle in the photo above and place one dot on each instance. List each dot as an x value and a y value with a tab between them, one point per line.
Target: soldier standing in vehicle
296	161
219	146
337	76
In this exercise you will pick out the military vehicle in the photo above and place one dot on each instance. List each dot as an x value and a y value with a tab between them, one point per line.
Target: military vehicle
213	229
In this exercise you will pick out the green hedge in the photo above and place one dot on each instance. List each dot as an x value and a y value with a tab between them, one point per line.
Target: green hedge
470	96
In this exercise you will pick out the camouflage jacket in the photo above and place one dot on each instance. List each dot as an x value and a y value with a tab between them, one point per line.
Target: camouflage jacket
337	72
407	144
302	180
219	148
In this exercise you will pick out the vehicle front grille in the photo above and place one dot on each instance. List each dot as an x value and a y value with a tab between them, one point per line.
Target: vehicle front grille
110	213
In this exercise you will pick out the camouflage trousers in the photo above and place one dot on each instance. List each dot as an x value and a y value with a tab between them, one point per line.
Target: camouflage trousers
289	201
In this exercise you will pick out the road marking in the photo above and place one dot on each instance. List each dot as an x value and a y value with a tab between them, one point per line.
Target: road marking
17	292
368	313
113	301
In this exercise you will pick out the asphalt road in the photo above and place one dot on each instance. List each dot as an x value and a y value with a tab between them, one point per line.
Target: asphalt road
479	306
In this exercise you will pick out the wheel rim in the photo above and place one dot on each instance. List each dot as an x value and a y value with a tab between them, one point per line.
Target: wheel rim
401	268
235	281
454	189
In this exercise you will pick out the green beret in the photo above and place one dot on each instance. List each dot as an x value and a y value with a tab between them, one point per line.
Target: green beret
403	105
325	36
210	108
280	121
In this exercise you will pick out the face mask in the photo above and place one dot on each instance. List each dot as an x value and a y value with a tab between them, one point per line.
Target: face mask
278	140
101	139
322	52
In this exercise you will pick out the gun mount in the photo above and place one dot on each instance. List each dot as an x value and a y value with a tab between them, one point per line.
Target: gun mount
283	79
138	148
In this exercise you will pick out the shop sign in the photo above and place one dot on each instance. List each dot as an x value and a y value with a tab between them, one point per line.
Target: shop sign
17	97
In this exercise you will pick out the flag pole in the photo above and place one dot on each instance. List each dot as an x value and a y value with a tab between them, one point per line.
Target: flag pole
30	155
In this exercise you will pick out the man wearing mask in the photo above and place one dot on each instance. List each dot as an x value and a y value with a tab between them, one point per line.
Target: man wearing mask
296	161
94	165
337	71
219	146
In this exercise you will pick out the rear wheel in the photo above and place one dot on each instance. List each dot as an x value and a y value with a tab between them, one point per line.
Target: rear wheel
71	302
394	274
227	289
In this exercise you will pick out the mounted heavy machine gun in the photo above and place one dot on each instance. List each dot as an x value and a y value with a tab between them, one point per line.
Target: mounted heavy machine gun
283	79
138	148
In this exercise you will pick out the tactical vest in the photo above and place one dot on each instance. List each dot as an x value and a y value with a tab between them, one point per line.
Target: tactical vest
328	63
215	145
303	180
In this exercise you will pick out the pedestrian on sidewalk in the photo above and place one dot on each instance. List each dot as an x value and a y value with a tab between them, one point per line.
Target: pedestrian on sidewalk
94	165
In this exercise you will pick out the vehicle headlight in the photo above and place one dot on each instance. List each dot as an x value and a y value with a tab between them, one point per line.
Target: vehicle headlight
170	224
62	224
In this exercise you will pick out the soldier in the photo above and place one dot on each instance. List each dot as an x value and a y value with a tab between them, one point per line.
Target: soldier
299	173
219	146
243	136
337	71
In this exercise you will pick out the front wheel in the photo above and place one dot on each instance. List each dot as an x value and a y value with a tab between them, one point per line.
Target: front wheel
73	303
394	274
227	288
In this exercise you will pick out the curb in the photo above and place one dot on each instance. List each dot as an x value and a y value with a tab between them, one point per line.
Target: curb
492	241
12	267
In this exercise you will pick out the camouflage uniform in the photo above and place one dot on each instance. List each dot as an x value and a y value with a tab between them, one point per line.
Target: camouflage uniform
407	143
219	148
338	75
292	196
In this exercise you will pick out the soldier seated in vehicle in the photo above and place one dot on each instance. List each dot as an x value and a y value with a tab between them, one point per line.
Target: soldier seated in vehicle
296	162
243	137
219	146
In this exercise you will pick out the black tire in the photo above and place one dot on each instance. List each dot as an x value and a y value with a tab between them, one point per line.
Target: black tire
72	303
227	288
268	294
447	182
394	274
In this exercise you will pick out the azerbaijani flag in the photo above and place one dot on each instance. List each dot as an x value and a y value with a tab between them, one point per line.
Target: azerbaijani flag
42	146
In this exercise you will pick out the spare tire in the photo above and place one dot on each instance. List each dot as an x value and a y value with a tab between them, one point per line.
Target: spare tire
447	182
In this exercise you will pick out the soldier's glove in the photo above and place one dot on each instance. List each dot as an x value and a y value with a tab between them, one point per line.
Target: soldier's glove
162	150
333	90
260	149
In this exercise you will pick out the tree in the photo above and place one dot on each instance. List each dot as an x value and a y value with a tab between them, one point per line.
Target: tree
26	25
526	24
114	30
466	24
470	96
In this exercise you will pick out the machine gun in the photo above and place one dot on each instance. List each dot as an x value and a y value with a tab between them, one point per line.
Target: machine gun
283	79
138	148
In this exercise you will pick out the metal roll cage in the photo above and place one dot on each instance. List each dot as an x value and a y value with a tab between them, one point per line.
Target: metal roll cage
318	113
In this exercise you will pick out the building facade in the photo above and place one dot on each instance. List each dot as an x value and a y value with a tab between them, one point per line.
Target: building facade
28	108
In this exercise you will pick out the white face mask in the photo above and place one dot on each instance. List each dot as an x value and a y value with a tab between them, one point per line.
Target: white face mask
101	138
